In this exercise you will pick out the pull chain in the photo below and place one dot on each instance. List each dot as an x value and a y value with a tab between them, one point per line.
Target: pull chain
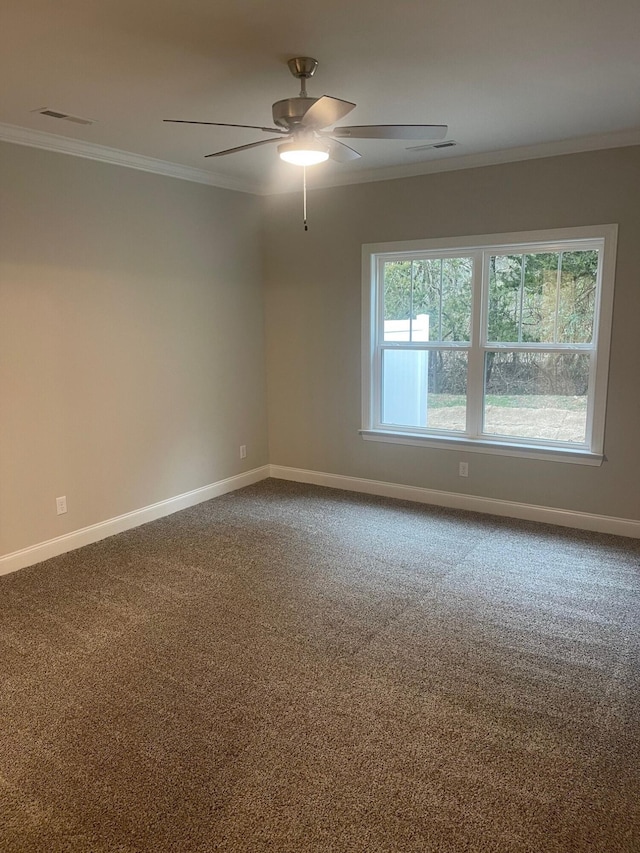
304	197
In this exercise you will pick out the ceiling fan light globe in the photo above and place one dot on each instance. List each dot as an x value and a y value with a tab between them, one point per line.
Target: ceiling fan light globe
303	153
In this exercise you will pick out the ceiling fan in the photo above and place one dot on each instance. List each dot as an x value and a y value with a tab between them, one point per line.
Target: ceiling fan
301	122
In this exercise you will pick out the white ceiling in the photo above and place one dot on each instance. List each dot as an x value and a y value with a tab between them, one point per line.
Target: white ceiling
503	74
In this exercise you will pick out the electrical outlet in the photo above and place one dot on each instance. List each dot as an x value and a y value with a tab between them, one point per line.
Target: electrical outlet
61	505
463	469
243	451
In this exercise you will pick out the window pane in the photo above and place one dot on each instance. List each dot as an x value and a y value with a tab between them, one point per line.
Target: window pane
442	291
542	297
426	294
539	293
447	403
428	300
424	389
397	300
577	296
505	274
536	395
456	299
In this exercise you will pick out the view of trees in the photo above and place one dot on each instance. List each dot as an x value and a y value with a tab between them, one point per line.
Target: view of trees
439	288
543	297
533	298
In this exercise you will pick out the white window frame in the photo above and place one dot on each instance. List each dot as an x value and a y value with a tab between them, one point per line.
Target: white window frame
480	248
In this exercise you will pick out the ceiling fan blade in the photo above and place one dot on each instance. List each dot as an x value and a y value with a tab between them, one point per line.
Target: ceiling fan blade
341	153
392	131
242	147
326	111
225	124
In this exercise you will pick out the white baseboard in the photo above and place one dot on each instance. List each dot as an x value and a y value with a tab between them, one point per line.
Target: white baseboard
86	535
453	500
530	512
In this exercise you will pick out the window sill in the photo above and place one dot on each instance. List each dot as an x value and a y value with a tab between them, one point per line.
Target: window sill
470	445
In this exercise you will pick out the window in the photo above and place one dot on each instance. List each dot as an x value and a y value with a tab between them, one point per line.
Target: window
497	344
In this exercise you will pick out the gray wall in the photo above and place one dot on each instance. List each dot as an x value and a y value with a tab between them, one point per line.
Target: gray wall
313	321
131	340
132	352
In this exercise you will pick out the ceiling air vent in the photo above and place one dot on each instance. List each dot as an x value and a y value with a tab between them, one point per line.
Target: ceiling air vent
44	111
446	143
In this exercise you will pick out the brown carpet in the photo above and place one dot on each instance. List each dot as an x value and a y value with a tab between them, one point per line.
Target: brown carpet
290	668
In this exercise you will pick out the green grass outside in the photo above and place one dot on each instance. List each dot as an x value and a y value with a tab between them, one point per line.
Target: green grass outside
522	401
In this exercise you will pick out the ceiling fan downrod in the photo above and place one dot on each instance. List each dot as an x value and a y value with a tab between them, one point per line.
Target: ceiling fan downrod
303	67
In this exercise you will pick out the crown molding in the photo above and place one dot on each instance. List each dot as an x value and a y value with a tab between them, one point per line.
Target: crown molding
114	156
451	163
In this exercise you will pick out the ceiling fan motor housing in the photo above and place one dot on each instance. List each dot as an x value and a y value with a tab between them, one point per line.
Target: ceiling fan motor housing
289	112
